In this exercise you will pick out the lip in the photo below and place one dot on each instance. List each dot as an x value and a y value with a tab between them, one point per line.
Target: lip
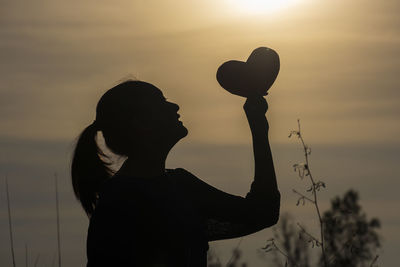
177	118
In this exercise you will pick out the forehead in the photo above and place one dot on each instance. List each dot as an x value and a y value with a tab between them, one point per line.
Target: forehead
149	90
128	93
128	97
136	91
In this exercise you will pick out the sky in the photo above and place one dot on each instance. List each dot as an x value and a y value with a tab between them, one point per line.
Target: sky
339	75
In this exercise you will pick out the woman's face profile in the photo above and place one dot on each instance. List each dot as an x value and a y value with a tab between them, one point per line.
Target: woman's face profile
158	118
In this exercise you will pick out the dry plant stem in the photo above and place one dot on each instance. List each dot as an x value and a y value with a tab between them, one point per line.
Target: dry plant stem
314	192
26	255
283	253
10	224
280	251
303	196
374	261
237	247
308	234
36	260
58	223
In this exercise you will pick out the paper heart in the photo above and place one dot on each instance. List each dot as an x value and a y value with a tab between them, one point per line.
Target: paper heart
253	77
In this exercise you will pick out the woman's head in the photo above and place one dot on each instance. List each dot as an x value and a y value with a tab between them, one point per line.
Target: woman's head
135	115
134	118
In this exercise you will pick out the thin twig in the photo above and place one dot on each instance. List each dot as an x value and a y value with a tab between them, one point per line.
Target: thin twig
303	196
280	250
314	192
10	223
26	255
58	222
230	260
309	235
374	261
277	248
36	260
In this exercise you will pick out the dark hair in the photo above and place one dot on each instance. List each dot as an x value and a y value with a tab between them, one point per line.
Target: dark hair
90	166
88	170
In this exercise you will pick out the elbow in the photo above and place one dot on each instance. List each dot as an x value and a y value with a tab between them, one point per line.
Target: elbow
270	216
275	216
275	210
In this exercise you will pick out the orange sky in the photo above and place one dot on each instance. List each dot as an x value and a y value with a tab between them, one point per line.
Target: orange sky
339	65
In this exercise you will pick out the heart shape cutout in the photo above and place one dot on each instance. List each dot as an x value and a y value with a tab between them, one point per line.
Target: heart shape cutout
253	77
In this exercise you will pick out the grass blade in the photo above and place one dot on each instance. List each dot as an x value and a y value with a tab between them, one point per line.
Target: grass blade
26	255
36	260
58	222
10	223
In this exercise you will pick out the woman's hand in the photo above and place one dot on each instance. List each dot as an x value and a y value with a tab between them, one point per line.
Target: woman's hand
255	105
255	108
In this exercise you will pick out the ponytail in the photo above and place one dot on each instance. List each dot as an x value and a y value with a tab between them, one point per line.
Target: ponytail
88	169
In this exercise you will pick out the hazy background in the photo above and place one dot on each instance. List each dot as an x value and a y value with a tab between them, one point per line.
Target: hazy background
339	74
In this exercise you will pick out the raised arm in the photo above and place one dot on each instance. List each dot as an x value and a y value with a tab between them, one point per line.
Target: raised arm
230	216
264	171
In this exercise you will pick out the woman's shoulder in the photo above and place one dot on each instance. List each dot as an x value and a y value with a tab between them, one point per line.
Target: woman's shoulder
182	174
182	171
122	184
188	179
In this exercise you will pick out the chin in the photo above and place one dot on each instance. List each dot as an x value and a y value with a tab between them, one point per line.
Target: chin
177	133
184	131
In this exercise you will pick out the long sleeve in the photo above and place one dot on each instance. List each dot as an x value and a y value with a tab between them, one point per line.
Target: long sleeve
230	216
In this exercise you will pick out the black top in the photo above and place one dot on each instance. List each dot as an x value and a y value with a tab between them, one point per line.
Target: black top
168	220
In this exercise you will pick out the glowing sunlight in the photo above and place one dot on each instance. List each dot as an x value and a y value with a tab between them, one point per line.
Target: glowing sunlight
261	6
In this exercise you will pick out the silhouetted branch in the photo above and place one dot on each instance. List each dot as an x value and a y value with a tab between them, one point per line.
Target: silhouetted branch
347	238
271	245
302	198
374	261
233	254
303	171
312	239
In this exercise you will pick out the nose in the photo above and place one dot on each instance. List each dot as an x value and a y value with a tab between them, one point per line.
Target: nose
175	106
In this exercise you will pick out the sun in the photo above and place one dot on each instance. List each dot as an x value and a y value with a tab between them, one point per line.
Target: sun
261	6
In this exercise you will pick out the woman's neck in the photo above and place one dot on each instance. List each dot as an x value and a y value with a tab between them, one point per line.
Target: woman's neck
142	166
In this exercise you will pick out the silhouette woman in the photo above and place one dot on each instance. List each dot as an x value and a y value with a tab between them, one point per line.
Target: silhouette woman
147	215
